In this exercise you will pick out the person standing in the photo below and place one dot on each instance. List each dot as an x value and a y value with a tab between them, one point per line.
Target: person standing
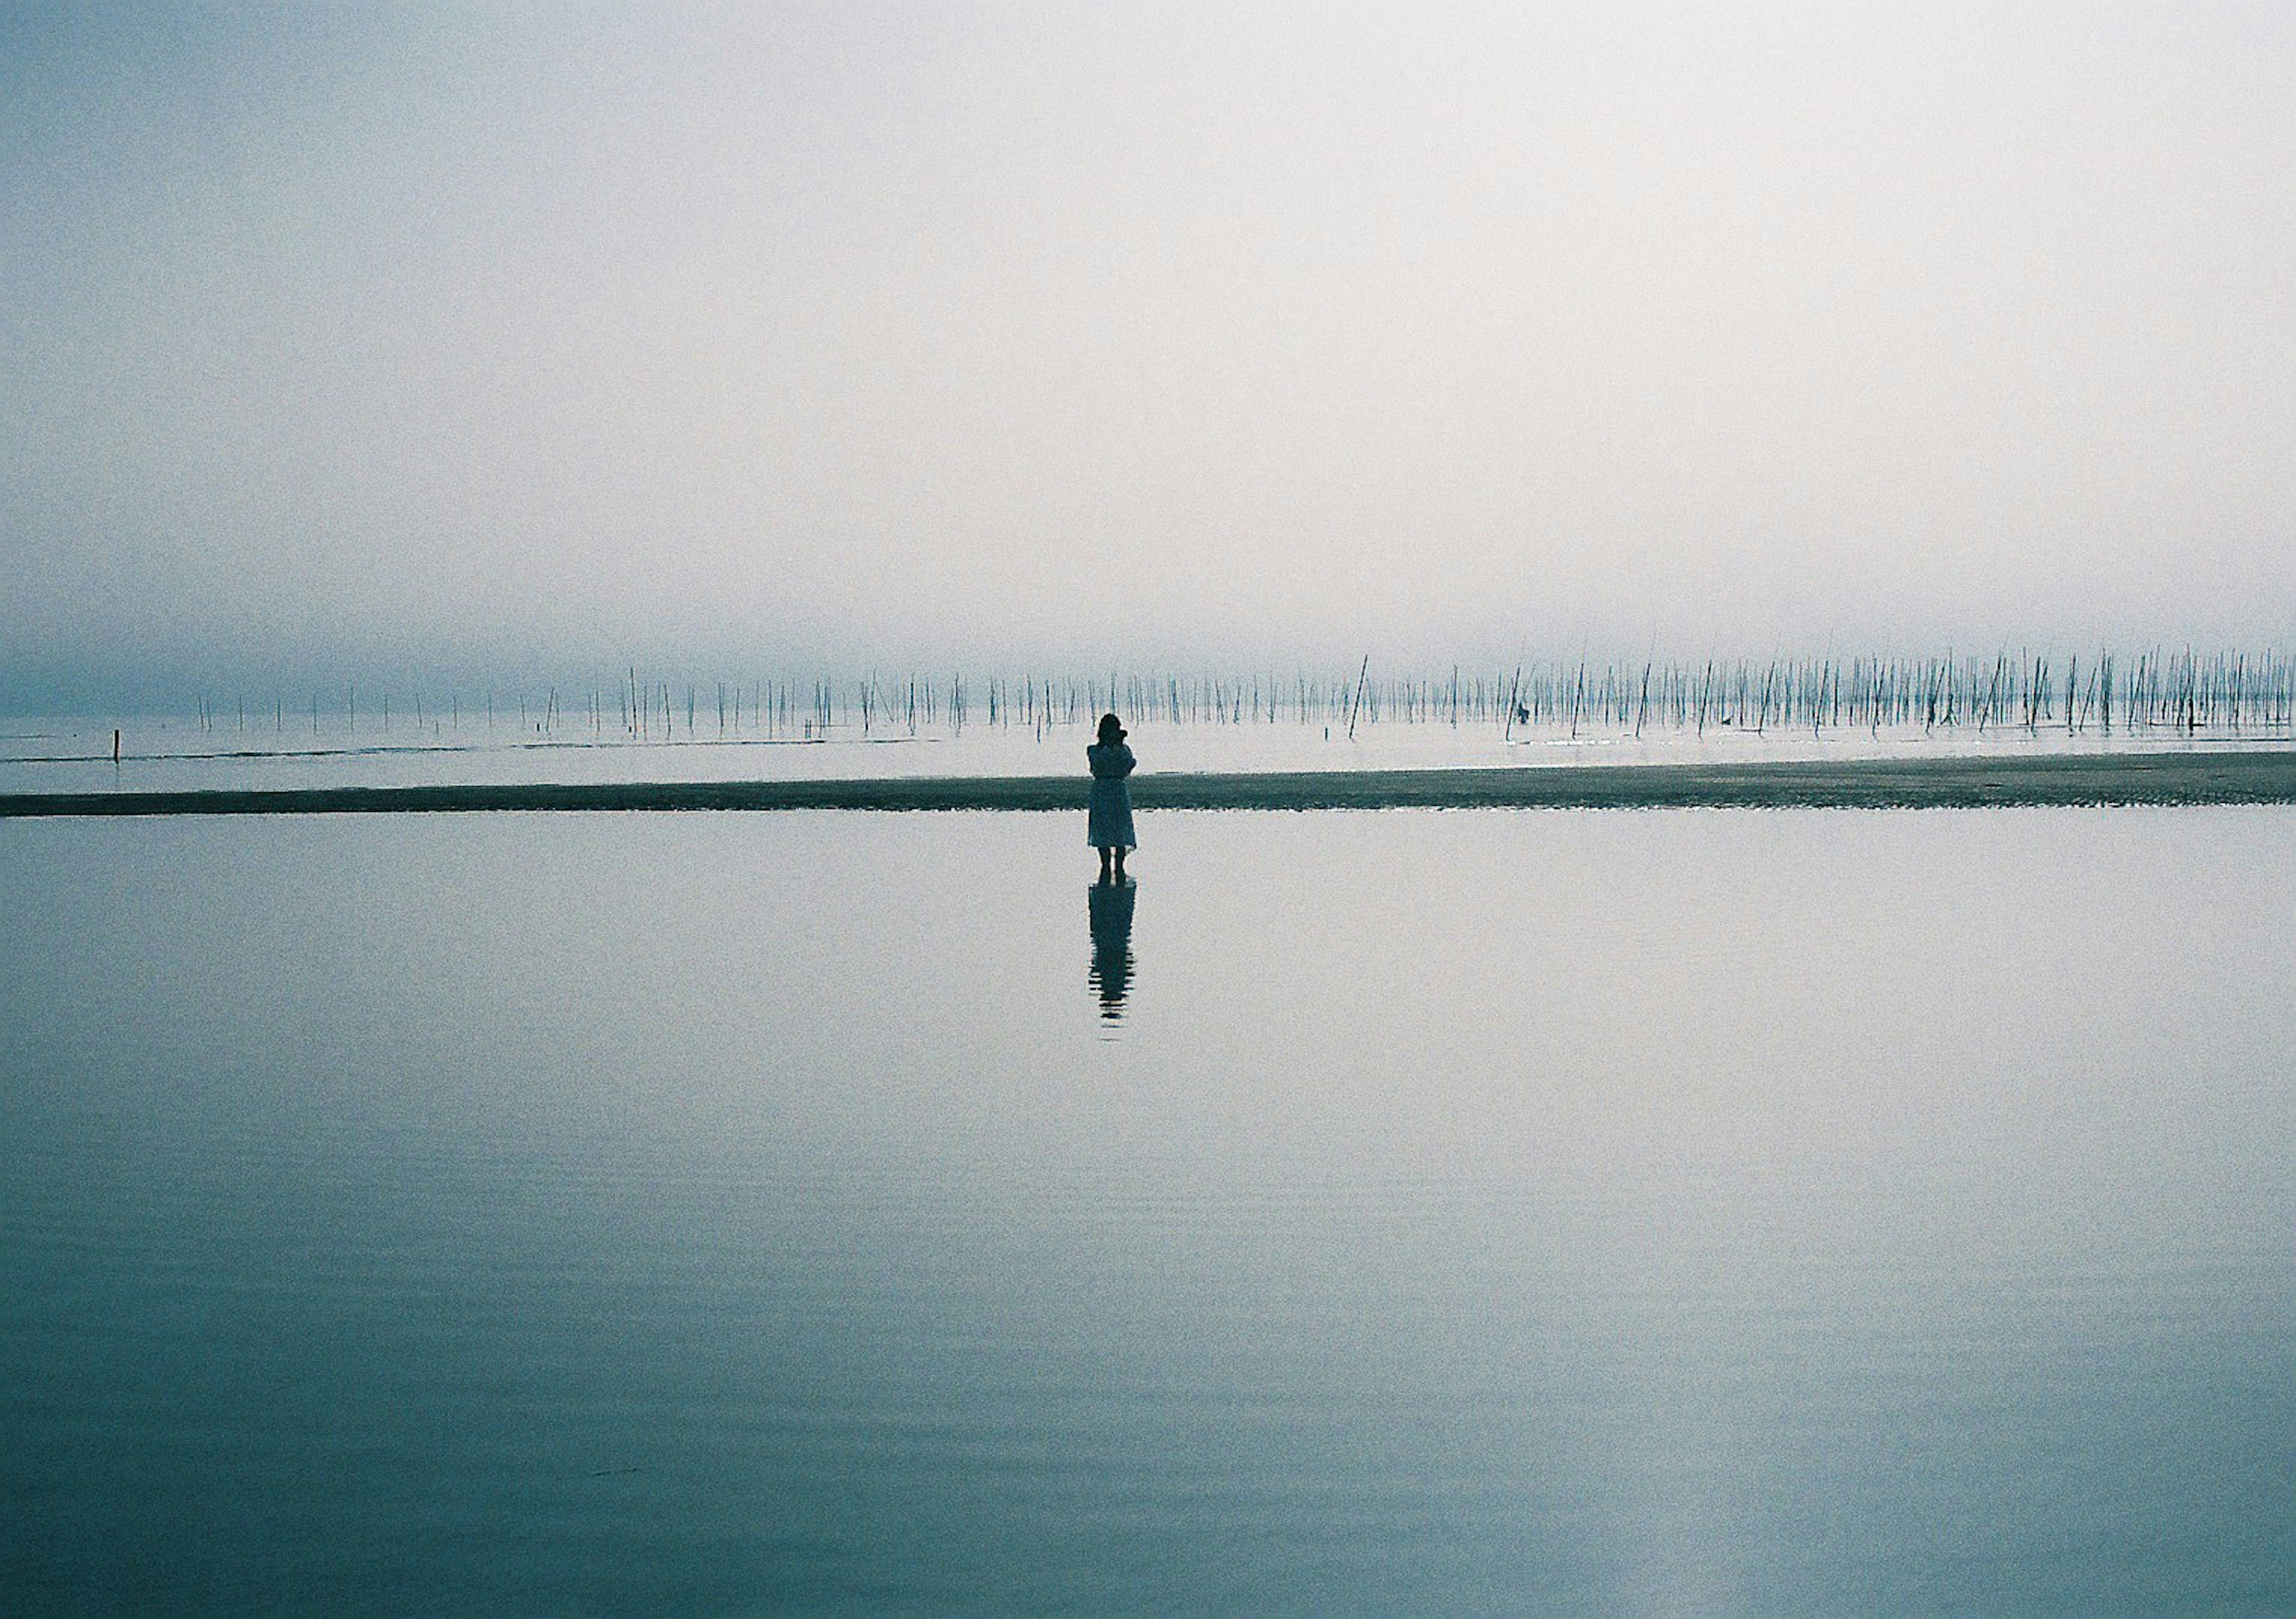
1109	826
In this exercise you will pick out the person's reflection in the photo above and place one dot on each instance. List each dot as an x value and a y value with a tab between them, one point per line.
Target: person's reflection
1112	944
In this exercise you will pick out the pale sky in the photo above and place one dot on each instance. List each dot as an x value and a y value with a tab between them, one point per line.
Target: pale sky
874	333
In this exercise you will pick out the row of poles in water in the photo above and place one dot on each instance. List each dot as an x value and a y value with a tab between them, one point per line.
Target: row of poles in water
2183	691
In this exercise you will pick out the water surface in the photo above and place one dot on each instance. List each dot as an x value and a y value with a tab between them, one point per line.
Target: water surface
74	755
1690	1212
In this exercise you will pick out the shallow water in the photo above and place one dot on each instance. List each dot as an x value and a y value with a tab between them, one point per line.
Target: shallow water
1764	1213
74	755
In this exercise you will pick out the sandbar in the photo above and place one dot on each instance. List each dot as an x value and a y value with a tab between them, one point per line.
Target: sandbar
2231	775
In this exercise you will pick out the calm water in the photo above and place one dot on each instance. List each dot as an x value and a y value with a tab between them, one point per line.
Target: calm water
74	755
1674	1213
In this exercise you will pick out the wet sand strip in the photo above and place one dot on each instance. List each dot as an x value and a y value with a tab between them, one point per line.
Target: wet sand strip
2263	775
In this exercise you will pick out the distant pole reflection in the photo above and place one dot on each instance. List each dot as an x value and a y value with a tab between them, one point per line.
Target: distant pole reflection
1111	945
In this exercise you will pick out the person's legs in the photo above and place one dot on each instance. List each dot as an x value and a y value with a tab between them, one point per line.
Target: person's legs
1105	857
1120	865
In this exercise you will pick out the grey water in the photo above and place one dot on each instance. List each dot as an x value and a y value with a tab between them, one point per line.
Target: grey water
1788	1213
74	754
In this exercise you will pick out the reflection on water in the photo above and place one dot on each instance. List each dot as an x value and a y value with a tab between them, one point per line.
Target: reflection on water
1112	944
1486	1213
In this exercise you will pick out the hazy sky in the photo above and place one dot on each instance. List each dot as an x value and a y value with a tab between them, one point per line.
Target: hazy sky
885	332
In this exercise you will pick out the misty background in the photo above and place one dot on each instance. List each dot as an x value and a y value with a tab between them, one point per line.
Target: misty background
432	340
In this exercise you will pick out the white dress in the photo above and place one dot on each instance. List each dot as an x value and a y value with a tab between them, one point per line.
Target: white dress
1109	825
